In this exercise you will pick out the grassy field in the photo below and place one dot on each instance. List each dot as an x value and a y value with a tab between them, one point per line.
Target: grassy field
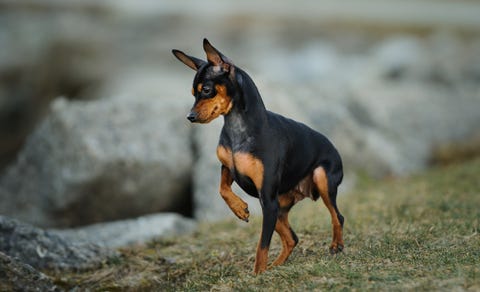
417	233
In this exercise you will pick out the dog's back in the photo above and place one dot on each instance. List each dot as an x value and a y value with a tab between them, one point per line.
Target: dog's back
300	150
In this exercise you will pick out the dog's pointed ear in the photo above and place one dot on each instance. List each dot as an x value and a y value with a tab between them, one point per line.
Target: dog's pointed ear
215	57
190	61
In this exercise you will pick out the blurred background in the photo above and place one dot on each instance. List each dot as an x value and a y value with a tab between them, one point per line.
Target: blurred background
93	104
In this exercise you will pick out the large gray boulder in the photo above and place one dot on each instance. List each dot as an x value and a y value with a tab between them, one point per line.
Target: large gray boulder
42	249
99	160
398	126
18	276
56	50
135	231
414	95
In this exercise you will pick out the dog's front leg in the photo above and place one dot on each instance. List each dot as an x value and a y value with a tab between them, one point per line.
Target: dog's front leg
237	205
269	202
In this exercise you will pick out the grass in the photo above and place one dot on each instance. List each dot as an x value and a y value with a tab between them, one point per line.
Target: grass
417	233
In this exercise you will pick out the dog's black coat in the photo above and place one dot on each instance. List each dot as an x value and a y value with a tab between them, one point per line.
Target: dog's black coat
288	150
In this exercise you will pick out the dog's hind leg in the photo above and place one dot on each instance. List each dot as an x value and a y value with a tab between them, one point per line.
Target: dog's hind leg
329	195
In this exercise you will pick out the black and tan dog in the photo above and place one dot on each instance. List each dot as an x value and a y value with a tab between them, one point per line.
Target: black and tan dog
270	157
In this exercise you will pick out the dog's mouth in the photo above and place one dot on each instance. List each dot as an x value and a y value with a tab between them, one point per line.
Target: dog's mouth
206	120
206	115
196	118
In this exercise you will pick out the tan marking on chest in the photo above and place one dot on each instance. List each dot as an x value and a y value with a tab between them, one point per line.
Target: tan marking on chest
225	156
250	166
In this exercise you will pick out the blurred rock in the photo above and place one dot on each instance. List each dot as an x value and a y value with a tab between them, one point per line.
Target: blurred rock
128	232
47	49
17	276
400	57
414	98
411	120
388	109
101	160
44	250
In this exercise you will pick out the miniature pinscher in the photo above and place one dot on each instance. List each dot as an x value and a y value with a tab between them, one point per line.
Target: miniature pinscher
273	158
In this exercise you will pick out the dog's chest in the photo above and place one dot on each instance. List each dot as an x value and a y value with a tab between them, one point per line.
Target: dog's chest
246	169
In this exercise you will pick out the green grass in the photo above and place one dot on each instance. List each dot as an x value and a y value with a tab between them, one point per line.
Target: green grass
417	233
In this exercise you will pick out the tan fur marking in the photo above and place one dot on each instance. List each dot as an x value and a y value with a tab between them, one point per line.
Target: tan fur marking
285	200
237	205
250	166
321	181
225	156
261	260
210	108
288	243
199	87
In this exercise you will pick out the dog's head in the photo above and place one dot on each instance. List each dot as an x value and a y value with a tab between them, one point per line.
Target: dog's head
213	85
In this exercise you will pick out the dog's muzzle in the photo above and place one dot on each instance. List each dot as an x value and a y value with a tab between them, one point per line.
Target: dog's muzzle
192	116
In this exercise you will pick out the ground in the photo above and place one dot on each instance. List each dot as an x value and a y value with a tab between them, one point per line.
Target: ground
416	233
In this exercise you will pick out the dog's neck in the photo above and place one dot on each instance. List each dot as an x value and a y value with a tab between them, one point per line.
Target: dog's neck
248	114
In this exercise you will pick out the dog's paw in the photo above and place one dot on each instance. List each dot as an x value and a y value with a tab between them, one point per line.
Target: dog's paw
241	210
336	248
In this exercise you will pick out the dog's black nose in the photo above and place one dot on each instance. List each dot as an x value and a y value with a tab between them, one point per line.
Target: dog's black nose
192	117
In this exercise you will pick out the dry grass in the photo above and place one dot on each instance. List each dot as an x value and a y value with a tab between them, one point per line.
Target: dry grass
419	233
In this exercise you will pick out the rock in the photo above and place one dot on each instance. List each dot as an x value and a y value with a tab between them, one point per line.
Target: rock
92	161
387	128
38	64
44	250
17	276
388	109
399	118
400	57
127	232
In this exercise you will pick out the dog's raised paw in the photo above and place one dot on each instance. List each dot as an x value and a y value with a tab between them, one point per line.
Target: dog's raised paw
241	210
248	214
245	215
